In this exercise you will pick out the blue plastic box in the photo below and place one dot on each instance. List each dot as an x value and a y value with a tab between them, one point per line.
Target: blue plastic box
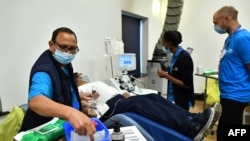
100	126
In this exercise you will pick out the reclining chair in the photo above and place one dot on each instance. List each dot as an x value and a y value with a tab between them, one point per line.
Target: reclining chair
151	130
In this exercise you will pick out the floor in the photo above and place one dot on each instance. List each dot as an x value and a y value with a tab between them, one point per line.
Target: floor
199	108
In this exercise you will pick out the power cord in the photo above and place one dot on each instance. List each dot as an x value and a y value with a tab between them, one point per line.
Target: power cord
134	78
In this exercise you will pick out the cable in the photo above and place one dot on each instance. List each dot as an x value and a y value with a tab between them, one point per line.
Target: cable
131	76
111	66
113	109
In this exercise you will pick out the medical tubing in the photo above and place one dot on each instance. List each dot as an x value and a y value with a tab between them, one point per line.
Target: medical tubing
131	76
111	63
113	109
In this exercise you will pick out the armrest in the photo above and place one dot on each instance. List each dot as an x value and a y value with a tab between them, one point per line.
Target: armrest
157	130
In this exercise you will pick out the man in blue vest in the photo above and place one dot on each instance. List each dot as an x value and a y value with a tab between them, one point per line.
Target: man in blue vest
52	86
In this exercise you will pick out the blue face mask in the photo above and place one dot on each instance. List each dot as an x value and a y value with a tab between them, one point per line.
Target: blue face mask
62	57
219	30
166	50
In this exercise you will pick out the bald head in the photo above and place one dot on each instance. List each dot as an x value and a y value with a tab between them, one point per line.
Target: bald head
225	20
228	11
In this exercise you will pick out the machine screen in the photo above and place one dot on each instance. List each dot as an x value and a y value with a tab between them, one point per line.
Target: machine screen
127	61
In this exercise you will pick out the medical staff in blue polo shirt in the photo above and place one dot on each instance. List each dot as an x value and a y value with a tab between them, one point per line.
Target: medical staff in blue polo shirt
234	68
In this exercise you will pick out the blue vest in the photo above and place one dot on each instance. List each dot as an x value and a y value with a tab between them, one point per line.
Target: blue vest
61	87
183	96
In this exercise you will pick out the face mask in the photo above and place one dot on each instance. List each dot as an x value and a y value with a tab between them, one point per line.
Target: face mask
219	30
62	57
85	78
166	50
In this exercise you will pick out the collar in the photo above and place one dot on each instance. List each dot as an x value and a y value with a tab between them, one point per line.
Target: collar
237	29
177	53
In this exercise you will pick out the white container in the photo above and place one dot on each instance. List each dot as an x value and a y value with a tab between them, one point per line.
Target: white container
199	70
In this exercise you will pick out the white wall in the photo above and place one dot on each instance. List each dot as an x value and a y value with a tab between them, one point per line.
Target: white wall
197	29
26	27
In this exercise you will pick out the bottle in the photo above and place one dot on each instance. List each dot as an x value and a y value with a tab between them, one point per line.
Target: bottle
117	135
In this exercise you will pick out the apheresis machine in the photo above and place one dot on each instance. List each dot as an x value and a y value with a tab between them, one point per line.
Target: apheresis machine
124	82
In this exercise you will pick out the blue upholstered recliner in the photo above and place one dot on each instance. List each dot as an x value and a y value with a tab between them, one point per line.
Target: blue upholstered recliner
151	130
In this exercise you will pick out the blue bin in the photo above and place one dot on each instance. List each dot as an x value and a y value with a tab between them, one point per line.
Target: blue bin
100	126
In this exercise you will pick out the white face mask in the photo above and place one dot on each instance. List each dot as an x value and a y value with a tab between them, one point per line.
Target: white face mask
62	57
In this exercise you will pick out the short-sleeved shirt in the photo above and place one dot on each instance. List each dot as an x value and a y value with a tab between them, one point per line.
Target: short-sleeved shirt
234	76
41	84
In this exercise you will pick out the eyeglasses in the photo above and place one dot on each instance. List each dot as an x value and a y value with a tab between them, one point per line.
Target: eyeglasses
66	48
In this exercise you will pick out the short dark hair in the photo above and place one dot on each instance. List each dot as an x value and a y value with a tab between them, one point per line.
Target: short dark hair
76	74
173	36
62	29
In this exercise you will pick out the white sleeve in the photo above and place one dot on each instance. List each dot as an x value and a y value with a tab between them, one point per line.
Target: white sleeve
105	91
86	88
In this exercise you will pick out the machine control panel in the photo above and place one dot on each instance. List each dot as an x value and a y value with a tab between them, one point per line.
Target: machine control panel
125	83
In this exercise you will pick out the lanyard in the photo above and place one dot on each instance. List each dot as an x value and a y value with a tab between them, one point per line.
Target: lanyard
227	42
174	58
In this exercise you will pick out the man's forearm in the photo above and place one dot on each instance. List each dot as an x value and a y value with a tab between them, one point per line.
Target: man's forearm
49	108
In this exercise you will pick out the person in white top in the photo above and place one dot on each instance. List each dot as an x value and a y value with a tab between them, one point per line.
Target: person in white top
102	94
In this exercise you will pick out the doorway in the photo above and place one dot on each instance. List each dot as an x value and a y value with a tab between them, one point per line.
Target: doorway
135	38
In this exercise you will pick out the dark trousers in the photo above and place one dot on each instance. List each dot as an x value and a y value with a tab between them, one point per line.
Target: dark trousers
154	107
232	114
